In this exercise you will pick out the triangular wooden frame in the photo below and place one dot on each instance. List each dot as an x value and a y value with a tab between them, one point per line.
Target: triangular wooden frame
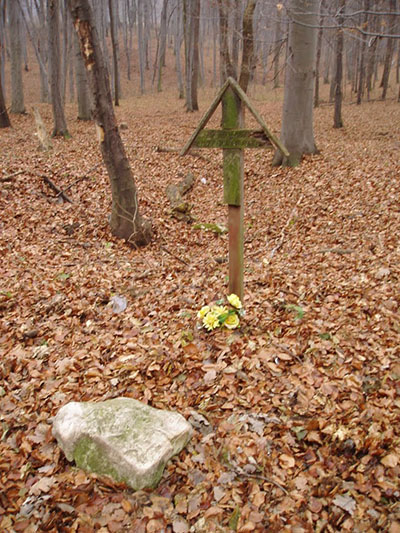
230	82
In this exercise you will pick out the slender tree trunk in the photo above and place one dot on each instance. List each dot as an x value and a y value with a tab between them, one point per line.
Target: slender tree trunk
178	37
389	49
141	45
162	44
236	35
115	50
4	118
318	59
126	221
191	15
194	106
2	45
82	87
337	119
248	62
17	90
226	66
60	124
297	118
372	56
126	33
278	45
38	43
361	74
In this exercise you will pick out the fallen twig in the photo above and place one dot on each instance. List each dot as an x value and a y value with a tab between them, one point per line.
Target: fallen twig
10	177
173	255
79	179
286	350
57	189
240	472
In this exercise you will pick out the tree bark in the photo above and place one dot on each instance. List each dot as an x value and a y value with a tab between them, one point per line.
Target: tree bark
318	58
115	51
141	45
389	49
82	87
278	45
361	73
4	118
162	45
126	221
337	119
248	62
192	27
60	124
297	119
37	41
17	89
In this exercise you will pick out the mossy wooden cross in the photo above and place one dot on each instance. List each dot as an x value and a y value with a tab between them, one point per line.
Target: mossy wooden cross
233	139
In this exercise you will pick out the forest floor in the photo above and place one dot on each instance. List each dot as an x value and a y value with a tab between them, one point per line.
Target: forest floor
296	415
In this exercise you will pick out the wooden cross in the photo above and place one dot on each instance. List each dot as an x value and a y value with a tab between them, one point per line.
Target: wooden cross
233	139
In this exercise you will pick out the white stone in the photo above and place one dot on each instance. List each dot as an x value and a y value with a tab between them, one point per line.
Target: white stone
122	438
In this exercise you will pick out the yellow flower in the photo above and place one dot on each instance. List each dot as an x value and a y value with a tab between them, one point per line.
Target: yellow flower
203	311
210	321
235	301
232	322
219	310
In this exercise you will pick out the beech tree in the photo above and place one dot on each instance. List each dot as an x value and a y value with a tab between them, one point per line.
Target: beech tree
17	90
191	17
4	118
60	123
297	118
126	221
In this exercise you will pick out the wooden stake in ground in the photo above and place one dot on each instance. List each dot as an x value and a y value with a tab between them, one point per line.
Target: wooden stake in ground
233	139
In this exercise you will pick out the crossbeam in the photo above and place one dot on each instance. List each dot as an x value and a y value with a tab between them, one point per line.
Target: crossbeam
232	139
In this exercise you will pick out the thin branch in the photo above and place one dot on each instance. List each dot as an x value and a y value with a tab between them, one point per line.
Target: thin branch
59	192
10	177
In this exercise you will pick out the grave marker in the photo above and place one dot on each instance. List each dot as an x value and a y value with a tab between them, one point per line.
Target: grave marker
233	139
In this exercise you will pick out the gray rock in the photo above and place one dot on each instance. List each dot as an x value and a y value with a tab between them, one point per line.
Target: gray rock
122	438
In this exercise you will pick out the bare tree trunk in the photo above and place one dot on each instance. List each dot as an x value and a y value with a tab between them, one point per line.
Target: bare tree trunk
141	45
372	56
318	59
38	43
194	106
389	49
361	72
17	90
297	118
248	62
337	119
162	44
82	87
236	35
226	66
191	15
126	221
4	118
278	45
60	124
115	51
178	37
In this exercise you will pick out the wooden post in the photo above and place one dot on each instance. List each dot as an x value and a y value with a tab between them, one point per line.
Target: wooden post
233	139
233	190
